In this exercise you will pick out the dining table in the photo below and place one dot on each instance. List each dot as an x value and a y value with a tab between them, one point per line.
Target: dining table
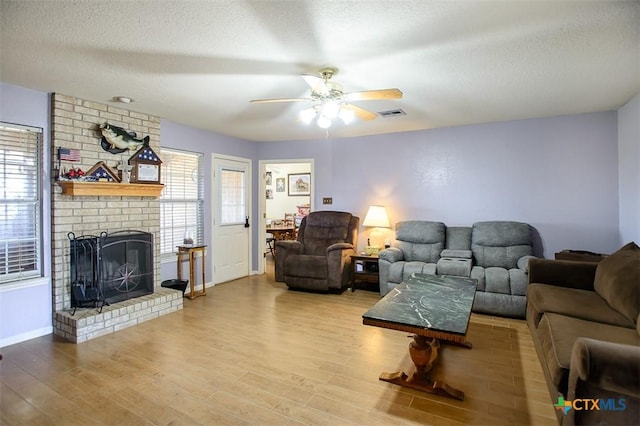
282	232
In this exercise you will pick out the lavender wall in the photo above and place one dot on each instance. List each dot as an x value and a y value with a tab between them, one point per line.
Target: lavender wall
179	136
558	174
629	170
26	309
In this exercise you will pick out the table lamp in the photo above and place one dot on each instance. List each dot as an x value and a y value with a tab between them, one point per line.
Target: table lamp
376	218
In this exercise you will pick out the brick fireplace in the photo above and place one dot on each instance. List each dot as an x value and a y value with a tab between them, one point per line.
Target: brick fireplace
74	124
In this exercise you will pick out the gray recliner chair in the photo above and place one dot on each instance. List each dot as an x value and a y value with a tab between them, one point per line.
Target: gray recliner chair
320	258
501	253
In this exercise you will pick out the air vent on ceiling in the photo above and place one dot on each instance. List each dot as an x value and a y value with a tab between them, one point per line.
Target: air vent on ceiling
392	113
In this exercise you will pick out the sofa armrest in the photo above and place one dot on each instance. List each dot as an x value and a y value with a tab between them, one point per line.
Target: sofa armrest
284	249
607	372
391	254
338	264
563	273
613	367
339	246
523	263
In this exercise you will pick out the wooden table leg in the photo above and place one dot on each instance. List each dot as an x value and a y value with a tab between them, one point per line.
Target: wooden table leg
424	354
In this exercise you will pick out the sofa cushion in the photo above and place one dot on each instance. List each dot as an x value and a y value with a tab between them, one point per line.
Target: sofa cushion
401	271
420	240
583	304
458	238
557	334
306	266
500	243
618	280
323	228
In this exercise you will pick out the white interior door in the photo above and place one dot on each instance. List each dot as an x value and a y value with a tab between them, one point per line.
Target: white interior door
231	239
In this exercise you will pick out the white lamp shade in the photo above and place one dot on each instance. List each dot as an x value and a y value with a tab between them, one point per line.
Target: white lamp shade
377	217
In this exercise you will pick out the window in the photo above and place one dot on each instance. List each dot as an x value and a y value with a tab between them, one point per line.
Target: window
20	209
182	200
232	196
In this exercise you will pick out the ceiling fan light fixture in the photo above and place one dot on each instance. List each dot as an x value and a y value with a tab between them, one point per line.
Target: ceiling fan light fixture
330	109
323	122
346	115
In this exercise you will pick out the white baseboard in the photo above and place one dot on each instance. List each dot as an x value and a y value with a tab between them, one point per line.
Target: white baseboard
25	336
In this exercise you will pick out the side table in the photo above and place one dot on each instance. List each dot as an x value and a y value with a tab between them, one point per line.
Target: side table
579	255
365	269
190	253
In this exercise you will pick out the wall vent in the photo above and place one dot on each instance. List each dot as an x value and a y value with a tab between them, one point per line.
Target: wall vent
392	113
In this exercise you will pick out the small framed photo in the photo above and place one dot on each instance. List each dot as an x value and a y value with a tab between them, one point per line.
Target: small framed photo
269	194
280	184
299	184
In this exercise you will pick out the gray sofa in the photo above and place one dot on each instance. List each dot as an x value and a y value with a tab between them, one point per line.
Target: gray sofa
494	253
584	319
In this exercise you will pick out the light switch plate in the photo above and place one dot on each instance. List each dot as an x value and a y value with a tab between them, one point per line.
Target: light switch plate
327	200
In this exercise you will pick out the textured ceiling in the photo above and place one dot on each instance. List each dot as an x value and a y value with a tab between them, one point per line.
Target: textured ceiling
200	62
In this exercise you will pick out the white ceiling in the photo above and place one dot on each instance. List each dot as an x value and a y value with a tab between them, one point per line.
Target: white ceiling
200	62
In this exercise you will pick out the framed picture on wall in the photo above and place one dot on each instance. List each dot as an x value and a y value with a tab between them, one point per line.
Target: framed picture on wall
269	178
269	194
299	184
280	184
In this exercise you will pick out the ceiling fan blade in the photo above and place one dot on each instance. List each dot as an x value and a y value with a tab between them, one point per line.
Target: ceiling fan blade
266	101
361	113
373	95
317	84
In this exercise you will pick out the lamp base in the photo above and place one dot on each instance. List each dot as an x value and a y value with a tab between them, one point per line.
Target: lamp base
371	251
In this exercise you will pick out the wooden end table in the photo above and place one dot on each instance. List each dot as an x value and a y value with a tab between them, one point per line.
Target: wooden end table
190	253
364	269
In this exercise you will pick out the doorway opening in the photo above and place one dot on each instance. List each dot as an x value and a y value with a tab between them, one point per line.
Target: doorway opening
286	197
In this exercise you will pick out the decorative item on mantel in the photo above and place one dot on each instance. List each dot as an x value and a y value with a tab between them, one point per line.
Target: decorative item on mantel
145	166
117	140
101	173
71	155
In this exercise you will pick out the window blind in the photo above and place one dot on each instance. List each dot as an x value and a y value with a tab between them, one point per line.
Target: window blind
20	210
182	200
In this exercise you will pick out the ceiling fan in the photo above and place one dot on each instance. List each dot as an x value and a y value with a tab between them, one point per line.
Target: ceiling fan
331	101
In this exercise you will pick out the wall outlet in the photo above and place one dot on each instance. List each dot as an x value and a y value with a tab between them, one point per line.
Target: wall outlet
327	200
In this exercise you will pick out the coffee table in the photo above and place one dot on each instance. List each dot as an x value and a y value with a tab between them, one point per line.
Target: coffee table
433	308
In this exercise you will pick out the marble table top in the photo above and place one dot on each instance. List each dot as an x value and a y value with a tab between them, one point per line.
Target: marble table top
439	303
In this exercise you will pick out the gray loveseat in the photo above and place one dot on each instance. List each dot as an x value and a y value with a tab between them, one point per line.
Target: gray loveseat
584	319
494	253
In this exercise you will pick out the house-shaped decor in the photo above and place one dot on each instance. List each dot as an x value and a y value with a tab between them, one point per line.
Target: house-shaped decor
100	172
145	166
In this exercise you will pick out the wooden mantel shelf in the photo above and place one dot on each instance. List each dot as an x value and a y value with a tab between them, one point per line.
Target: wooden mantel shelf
70	187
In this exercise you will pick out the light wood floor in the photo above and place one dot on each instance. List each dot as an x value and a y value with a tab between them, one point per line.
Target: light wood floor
253	352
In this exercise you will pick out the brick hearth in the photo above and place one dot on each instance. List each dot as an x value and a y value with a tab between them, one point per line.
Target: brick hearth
88	324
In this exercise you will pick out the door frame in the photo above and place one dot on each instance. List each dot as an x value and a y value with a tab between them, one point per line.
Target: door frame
214	207
262	201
